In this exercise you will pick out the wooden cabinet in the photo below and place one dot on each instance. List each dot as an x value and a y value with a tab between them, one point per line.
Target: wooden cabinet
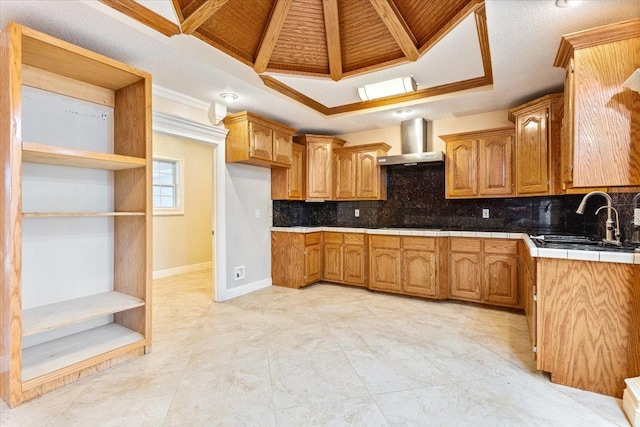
385	263
588	320
258	141
480	164
319	167
60	322
527	286
289	183
371	179
602	146
345	258
345	175
420	274
296	259
484	270
538	146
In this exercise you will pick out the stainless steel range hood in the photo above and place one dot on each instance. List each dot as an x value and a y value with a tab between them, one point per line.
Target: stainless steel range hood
416	144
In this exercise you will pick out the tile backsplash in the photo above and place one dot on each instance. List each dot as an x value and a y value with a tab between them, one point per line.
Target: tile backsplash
416	199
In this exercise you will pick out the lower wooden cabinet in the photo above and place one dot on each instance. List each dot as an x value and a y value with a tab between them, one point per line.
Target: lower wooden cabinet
354	264
485	270
419	272
296	259
385	269
333	262
345	258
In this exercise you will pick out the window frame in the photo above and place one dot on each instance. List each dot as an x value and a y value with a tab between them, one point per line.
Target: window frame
179	185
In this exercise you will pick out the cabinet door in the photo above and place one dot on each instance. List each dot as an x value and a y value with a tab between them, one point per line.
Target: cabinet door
367	176
465	276
354	264
385	270
345	175
462	169
501	279
333	262
282	148
532	172
496	166
419	272
319	171
312	263
295	174
260	142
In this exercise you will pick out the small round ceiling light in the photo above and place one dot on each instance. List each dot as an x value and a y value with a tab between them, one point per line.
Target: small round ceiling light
404	112
228	96
567	3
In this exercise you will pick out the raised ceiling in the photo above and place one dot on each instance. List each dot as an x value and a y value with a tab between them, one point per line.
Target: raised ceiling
325	38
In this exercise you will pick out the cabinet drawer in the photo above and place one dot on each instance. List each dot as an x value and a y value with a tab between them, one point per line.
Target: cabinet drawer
461	244
420	243
312	239
332	237
501	246
392	242
353	239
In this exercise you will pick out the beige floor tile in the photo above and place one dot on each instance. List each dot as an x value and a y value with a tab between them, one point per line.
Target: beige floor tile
359	412
253	419
314	338
232	347
394	368
607	406
523	400
206	395
142	412
445	405
314	378
465	360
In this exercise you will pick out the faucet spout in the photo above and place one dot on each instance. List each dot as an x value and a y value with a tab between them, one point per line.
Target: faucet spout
612	227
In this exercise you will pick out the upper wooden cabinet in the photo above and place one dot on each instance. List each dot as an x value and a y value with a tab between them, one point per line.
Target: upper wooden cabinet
602	118
357	174
538	146
320	149
480	164
258	141
289	183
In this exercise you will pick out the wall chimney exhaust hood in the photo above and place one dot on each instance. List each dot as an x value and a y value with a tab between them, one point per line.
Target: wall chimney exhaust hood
416	144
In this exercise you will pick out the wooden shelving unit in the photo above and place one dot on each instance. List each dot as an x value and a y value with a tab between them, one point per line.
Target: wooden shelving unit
40	347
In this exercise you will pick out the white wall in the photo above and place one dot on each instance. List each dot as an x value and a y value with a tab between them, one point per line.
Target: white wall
248	188
391	135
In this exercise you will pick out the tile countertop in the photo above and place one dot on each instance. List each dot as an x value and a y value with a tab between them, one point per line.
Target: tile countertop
580	255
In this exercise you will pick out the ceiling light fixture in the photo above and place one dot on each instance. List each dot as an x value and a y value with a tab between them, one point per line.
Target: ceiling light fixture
387	88
404	111
228	96
567	3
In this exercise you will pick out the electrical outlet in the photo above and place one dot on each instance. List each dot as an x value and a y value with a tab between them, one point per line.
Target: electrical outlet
357	213
485	213
239	272
257	213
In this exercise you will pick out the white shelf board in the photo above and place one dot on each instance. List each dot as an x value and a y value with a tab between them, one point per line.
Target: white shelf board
50	316
71	214
51	356
61	156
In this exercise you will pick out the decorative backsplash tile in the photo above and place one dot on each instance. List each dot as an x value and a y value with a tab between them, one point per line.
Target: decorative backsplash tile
416	199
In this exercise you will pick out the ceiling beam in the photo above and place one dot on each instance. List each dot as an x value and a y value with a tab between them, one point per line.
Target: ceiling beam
397	26
143	15
201	14
271	34
332	32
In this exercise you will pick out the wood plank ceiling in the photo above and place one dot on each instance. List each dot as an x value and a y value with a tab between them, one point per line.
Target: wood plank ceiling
325	38
322	38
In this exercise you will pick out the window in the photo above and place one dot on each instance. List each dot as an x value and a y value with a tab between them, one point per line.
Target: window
167	186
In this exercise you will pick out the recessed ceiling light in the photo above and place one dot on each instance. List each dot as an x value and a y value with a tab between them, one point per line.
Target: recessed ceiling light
566	3
404	112
228	96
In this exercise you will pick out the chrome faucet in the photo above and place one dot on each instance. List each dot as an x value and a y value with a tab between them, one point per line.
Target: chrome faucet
613	227
635	238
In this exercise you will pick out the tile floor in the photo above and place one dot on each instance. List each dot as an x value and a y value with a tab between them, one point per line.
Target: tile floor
322	356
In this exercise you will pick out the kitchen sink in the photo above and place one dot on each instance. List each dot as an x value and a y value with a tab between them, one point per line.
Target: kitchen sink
581	243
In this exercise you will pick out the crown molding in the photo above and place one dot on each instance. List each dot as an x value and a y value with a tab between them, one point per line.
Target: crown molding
180	98
177	126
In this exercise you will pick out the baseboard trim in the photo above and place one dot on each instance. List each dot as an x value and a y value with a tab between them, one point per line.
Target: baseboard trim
630	400
247	289
161	274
